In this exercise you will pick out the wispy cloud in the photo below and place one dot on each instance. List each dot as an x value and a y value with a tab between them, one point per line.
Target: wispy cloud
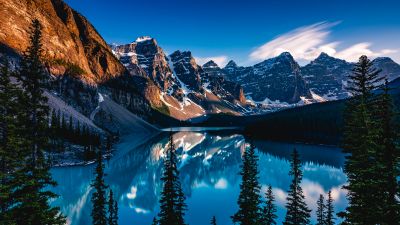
306	43
221	61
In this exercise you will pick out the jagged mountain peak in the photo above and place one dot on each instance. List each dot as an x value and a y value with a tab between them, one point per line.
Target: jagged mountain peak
384	59
325	58
210	64
231	64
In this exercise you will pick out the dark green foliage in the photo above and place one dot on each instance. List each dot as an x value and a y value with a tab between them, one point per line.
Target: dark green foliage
99	195
213	221
314	123
10	142
330	217
361	139
269	212
61	132
31	199
112	210
249	198
155	221
321	219
389	155
172	205
297	211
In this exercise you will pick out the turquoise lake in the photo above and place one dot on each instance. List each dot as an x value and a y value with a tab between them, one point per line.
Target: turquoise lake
209	164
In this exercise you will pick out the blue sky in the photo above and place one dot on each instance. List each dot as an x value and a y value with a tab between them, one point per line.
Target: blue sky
252	30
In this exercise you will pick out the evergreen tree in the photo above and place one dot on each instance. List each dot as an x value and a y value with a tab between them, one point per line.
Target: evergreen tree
213	221
172	205
361	143
10	143
112	210
389	157
249	198
32	198
330	219
297	211
269	211
99	195
155	221
321	219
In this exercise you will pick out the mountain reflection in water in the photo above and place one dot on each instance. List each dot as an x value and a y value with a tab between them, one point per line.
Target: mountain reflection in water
209	165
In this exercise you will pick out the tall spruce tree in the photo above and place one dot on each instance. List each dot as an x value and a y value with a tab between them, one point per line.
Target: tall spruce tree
99	195
269	212
249	200
10	142
330	214
112	210
321	211
390	155
32	196
361	143
297	211
172	202
213	221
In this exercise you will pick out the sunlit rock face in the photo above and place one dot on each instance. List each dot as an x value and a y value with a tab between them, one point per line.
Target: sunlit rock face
209	165
69	39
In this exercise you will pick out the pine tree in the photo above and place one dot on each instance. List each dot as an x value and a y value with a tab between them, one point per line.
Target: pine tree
361	143
33	200
330	219
115	220
155	221
112	210
172	205
269	211
99	195
249	198
213	221
10	143
297	211
389	156
321	211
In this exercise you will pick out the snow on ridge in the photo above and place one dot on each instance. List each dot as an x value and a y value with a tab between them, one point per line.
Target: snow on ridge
143	38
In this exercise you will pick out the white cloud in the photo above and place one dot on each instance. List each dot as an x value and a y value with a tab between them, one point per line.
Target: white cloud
353	52
221	61
306	43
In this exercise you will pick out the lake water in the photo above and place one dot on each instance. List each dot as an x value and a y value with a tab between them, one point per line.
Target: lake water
209	164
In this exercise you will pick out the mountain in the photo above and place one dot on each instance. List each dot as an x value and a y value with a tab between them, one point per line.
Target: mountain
71	44
389	68
161	89
185	89
326	76
275	79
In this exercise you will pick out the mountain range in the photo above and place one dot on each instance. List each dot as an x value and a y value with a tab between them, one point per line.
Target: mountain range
139	80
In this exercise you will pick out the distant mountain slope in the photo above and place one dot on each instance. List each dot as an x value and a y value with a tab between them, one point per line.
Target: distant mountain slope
275	79
71	44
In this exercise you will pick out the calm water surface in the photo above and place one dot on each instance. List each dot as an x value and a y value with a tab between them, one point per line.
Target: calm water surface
209	163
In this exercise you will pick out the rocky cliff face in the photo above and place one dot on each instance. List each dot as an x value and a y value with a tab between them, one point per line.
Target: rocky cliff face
144	54
71	44
389	68
326	76
185	88
276	79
